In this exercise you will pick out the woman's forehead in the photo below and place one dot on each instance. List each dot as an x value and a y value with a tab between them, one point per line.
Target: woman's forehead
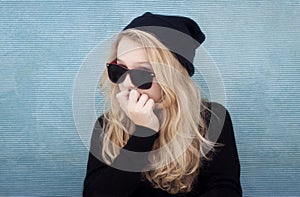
130	52
127	45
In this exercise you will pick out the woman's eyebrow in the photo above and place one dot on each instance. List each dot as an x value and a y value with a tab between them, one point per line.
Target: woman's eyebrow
141	64
144	65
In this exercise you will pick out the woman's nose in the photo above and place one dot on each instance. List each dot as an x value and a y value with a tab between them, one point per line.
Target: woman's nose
127	82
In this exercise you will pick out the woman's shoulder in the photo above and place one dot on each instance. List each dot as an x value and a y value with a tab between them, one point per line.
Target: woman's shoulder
213	105
219	126
100	120
213	110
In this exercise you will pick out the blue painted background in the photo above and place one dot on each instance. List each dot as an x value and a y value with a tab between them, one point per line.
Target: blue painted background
42	45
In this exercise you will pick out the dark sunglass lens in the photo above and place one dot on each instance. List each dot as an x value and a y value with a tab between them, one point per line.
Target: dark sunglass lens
141	79
145	86
116	73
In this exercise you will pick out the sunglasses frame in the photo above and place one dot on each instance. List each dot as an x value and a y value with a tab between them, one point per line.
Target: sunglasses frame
129	71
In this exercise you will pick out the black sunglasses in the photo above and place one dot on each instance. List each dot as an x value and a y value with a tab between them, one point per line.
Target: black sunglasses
142	79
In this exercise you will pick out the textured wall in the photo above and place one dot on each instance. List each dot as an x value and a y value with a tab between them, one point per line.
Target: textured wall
42	45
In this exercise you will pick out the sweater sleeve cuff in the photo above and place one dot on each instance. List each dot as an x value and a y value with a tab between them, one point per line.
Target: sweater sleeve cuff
141	144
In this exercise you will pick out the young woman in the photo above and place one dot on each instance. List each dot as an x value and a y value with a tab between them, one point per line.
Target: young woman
154	139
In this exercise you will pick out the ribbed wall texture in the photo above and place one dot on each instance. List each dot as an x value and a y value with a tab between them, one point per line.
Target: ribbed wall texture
255	45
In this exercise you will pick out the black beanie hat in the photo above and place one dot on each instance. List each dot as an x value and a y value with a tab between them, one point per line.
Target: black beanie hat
185	37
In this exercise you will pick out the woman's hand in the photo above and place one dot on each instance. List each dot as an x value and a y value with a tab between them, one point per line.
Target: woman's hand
139	108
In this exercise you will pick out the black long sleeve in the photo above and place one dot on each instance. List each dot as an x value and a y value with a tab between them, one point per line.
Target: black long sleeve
104	180
218	177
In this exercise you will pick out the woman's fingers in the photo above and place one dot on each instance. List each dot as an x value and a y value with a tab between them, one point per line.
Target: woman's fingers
122	98
133	97
142	100
139	108
137	101
123	95
150	105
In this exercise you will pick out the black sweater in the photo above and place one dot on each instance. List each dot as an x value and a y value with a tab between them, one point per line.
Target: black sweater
219	176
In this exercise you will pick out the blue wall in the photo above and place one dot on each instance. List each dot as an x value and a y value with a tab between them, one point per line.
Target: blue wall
43	44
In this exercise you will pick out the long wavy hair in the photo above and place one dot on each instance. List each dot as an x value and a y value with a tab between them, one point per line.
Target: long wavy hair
182	129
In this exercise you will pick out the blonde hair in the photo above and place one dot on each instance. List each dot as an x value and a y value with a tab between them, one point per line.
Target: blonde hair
186	129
